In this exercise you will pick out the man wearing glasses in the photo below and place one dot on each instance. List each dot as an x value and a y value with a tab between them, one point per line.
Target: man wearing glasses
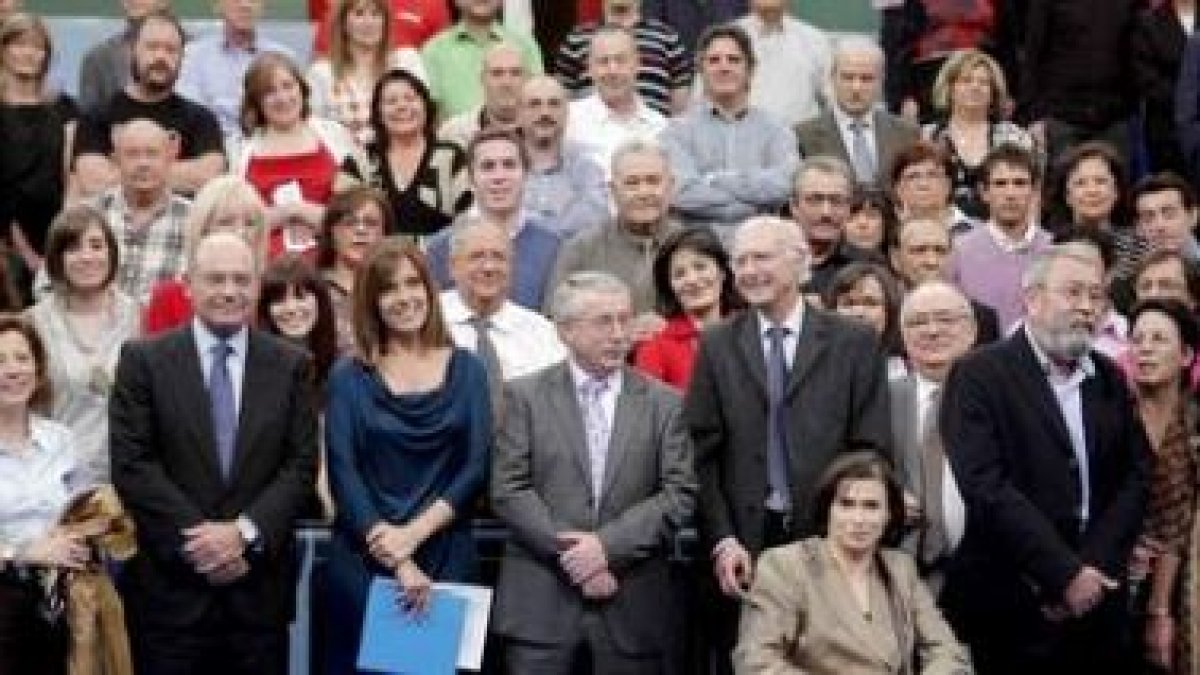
1046	446
820	204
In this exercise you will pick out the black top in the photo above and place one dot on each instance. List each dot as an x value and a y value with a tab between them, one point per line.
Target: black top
198	129
31	179
436	194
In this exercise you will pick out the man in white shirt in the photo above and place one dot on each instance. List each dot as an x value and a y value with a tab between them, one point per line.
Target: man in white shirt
793	60
614	113
516	340
937	327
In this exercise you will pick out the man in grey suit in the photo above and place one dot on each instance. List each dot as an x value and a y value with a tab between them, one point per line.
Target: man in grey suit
592	472
776	394
855	127
937	327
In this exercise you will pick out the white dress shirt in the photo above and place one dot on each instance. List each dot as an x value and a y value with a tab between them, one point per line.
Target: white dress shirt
793	323
1068	391
594	126
954	510
525	341
792	66
235	362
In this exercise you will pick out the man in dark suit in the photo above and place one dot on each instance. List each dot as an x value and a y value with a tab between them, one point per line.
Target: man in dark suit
592	475
214	442
855	127
937	327
1044	440
776	394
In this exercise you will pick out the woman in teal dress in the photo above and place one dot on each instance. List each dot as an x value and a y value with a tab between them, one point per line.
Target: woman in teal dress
408	434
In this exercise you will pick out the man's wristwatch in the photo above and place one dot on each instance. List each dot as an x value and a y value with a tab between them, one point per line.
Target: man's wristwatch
250	534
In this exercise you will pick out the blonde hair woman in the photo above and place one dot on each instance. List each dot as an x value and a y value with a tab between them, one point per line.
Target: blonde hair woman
970	97
229	203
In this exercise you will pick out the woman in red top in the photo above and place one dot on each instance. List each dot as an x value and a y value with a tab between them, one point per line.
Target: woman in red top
694	282
289	156
226	203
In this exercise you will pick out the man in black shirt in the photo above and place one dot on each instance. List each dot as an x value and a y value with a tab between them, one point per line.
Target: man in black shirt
157	53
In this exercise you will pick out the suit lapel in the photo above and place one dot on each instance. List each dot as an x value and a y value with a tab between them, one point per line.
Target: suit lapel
566	403
835	137
837	594
1044	401
809	345
750	346
195	409
628	418
883	130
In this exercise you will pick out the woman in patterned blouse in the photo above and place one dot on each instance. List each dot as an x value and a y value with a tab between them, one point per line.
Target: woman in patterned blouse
1163	346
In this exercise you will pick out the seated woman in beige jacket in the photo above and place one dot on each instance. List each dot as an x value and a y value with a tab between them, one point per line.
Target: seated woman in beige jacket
839	604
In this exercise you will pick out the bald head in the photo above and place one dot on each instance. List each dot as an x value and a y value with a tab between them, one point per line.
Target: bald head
542	115
143	151
223	280
502	76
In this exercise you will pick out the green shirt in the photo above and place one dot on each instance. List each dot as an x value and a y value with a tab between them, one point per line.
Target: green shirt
454	61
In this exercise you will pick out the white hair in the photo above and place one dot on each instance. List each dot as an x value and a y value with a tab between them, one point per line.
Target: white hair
566	303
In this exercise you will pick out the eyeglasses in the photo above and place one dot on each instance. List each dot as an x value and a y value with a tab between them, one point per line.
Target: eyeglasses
940	320
815	199
1076	293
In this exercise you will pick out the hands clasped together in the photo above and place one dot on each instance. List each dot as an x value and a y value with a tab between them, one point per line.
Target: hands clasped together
582	557
217	551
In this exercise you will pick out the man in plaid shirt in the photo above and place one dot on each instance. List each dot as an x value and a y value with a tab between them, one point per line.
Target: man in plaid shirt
147	218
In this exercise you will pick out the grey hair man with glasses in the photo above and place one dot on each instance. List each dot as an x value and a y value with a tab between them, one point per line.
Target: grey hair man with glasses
937	327
1047	448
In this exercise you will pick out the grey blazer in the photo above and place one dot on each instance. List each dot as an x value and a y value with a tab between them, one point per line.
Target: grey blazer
820	136
905	432
541	486
836	395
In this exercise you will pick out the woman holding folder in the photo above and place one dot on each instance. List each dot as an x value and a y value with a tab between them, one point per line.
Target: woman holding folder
408	433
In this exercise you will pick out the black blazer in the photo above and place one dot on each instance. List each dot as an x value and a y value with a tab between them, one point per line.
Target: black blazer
165	467
836	394
1008	445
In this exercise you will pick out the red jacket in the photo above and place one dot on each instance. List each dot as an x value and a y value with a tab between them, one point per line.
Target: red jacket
670	354
413	21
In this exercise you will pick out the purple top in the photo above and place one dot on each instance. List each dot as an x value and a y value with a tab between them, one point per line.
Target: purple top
991	273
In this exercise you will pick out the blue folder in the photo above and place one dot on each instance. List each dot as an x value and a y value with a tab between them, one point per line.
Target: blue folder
396	641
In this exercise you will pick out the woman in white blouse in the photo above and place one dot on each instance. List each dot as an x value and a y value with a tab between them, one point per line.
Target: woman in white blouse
359	53
37	480
83	323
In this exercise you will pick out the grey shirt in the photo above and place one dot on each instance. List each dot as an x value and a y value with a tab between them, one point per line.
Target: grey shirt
570	196
727	170
104	71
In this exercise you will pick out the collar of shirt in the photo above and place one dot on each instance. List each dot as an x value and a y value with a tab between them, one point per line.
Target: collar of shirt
844	120
642	114
460	32
1007	243
206	340
44	437
116	200
925	387
1082	369
794	320
717	113
230	44
760	27
580	376
455	309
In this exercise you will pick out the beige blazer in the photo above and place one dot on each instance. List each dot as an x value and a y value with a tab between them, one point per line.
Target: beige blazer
799	618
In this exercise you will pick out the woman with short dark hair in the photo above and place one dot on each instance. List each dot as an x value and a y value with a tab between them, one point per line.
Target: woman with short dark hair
841	602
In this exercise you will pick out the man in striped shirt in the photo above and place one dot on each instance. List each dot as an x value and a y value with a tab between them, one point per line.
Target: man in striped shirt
664	77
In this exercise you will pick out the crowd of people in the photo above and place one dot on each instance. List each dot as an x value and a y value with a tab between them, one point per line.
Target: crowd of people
905	331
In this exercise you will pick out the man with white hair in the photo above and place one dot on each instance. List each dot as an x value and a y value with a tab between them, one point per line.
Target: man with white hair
593	476
1047	448
937	327
776	394
855	127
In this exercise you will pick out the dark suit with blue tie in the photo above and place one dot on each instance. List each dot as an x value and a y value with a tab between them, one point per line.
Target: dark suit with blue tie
167	467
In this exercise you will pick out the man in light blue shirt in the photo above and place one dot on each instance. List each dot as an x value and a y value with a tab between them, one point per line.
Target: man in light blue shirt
215	65
731	160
